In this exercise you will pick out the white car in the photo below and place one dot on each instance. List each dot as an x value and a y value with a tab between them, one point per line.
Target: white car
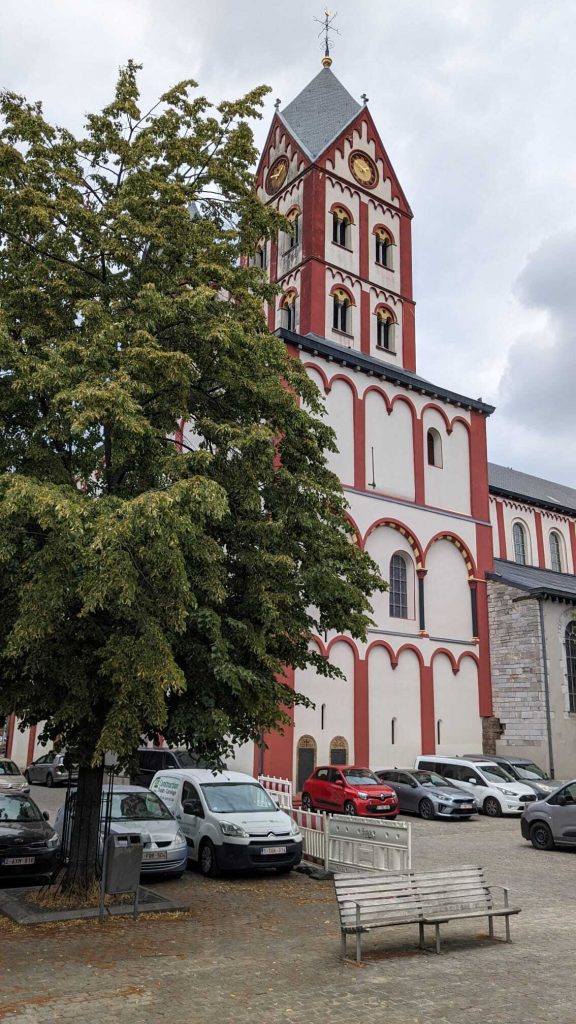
495	791
229	820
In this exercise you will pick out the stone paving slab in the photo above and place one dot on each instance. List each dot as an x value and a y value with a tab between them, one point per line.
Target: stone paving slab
265	949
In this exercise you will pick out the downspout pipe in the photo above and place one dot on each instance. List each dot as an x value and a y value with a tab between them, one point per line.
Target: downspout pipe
546	687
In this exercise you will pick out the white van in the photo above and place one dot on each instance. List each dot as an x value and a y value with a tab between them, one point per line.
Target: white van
229	820
496	791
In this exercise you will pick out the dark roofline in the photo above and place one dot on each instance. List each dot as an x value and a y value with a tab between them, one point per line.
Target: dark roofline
359	361
503	492
539	591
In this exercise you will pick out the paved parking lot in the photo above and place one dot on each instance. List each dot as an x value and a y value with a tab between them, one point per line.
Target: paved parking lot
265	948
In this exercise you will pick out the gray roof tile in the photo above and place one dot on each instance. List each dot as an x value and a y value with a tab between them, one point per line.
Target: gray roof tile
522	485
320	112
533	580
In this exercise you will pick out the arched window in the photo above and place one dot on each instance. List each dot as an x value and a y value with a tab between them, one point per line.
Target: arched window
385	330
342	319
398	587
338	750
340	226
383	245
555	551
434	447
306	760
570	640
519	538
259	257
289	311
294	221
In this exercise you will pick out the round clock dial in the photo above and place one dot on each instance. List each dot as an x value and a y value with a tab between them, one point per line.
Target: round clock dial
276	175
363	169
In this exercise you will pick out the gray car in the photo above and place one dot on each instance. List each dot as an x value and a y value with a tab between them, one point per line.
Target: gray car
524	770
136	809
552	822
428	794
49	770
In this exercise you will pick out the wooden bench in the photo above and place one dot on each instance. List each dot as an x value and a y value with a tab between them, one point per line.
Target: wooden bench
392	898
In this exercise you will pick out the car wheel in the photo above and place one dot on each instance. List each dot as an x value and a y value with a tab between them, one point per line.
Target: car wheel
426	809
50	780
541	836
307	802
350	808
492	807
208	864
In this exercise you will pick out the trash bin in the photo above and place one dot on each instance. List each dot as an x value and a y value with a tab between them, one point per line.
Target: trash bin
123	863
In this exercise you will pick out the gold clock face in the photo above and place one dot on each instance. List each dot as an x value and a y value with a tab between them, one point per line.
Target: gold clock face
363	169
276	175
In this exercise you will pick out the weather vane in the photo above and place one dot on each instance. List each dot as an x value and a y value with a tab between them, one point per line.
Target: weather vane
327	28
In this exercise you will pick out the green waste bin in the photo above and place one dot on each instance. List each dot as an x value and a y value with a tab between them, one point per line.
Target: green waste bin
123	862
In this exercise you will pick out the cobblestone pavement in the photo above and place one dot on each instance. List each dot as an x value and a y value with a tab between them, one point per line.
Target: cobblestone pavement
266	949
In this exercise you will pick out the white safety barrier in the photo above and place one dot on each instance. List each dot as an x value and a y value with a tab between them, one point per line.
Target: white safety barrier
343	843
281	790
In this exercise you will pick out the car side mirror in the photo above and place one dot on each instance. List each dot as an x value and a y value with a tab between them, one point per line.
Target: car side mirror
561	800
45	815
339	782
473	782
193	807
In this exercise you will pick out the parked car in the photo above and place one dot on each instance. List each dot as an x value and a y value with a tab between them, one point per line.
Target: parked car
11	778
29	846
150	760
524	770
347	789
229	820
493	788
551	822
50	770
135	809
427	794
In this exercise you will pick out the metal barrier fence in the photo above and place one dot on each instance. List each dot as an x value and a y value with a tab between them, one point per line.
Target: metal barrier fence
344	843
281	790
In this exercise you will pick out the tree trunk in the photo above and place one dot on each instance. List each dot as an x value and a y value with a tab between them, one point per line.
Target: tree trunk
83	868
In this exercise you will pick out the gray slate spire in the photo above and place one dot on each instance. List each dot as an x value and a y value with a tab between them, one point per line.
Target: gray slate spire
319	113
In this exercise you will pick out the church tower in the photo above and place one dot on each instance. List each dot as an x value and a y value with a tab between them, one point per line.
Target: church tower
411	454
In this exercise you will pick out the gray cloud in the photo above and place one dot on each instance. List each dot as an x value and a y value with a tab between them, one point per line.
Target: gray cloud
475	101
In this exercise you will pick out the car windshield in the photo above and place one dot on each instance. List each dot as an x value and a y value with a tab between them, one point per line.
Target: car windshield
18	808
8	768
136	807
530	771
237	797
431	779
360	777
496	773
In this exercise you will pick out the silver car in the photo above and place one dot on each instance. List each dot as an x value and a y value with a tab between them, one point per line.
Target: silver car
136	809
11	778
552	822
428	794
49	770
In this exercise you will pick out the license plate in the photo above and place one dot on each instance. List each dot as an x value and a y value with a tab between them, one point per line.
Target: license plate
154	855
465	807
273	849
383	807
9	861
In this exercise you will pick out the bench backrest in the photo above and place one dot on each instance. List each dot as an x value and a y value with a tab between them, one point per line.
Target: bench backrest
410	895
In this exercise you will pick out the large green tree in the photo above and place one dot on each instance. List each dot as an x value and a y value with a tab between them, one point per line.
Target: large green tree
147	586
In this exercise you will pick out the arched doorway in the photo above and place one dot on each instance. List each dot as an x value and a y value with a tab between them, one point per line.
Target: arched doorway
306	760
338	750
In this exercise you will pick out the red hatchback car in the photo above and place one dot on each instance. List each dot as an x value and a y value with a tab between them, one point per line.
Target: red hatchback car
349	790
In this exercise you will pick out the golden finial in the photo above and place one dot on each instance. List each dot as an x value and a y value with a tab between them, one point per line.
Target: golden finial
327	27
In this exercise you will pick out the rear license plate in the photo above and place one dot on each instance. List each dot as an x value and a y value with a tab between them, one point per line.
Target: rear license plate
11	861
149	855
273	849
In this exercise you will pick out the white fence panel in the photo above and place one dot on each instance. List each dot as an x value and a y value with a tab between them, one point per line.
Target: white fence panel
313	827
369	843
280	789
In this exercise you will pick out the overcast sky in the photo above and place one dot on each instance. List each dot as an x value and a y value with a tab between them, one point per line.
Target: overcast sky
475	101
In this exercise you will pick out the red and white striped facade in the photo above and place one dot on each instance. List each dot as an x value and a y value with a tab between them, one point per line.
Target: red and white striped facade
420	683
